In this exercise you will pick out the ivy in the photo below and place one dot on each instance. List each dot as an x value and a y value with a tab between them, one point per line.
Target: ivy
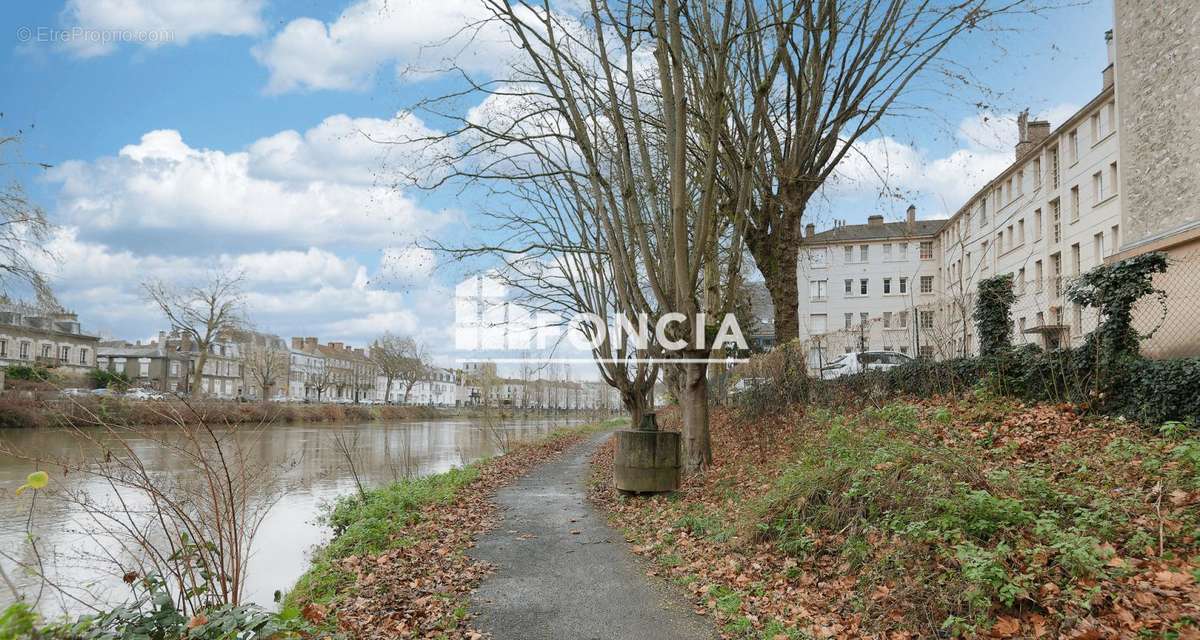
993	314
1113	289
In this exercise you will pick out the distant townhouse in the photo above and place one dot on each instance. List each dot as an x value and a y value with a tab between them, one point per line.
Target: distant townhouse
150	366
54	339
351	373
306	372
437	388
265	359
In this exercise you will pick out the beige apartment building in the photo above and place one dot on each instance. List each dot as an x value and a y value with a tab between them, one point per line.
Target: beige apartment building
861	286
909	286
1158	94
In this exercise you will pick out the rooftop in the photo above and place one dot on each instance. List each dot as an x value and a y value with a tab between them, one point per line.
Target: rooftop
878	231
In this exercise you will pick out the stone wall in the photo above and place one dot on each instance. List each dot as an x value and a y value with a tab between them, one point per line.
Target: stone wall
1158	98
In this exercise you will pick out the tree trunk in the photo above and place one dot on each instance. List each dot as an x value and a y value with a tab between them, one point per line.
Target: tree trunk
776	250
201	360
637	403
693	399
785	295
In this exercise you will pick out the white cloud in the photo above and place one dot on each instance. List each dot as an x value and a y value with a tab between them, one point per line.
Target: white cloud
101	24
311	292
986	149
320	187
407	264
419	36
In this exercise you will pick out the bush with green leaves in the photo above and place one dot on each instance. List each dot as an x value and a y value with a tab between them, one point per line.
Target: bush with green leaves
31	373
105	379
993	314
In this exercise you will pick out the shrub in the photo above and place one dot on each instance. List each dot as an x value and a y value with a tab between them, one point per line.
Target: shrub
993	314
105	379
32	373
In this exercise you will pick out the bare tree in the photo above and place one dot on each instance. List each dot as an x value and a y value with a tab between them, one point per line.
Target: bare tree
201	313
400	359
846	66
24	231
266	361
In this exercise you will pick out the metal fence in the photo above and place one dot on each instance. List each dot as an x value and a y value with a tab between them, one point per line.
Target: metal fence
1172	323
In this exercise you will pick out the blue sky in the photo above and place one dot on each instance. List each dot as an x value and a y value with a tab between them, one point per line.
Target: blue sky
233	145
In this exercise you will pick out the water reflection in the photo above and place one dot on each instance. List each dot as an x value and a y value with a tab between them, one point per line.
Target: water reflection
312	468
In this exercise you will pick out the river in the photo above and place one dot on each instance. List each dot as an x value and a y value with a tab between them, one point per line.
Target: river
311	468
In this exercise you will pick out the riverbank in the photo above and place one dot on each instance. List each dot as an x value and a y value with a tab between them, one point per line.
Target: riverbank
396	566
31	413
949	517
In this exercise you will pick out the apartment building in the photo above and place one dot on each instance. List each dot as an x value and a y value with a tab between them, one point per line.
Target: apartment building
351	374
306	370
149	366
436	389
861	286
909	286
1053	214
53	339
1157	74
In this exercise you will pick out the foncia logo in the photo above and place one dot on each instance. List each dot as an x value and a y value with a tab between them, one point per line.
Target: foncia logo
486	319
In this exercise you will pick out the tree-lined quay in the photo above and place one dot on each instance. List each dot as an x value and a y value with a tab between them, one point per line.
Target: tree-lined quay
982	423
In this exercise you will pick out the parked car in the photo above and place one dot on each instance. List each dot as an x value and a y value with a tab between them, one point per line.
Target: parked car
75	391
857	362
144	394
104	392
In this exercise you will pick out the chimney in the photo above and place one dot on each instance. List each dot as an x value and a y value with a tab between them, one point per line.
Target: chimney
359	352
310	344
875	220
1030	133
810	230
911	214
1106	76
336	345
297	343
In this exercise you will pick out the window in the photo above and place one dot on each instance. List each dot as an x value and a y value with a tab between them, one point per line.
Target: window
982	213
1112	179
1052	159
1076	319
926	351
927	250
849	253
1075	203
887	285
1076	263
1037	172
1098	247
817	323
1041	318
1056	266
175	368
903	349
144	368
1112	117
849	320
864	253
45	351
862	286
926	284
3	348
25	350
999	242
64	354
903	320
849	287
1055	220
887	319
83	355
1021	324
818	290
816	259
1020	182
887	251
1038	275
1021	231
903	285
926	319
1115	238
1073	146
1096	132
1020	281
903	250
1037	224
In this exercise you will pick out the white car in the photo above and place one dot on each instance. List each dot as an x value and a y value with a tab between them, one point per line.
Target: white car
857	362
144	394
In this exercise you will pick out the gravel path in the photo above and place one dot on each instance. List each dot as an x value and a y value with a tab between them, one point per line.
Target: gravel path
562	572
